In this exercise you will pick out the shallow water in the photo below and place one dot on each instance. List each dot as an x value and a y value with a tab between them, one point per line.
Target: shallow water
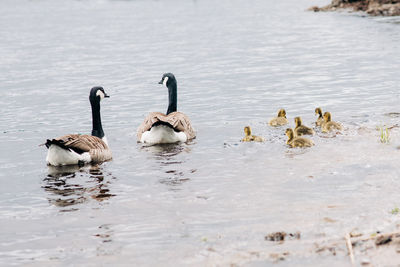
211	201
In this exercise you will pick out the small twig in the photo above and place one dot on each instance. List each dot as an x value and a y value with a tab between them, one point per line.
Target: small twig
396	234
394	126
350	248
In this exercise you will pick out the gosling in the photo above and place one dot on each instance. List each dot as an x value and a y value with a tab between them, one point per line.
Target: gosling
280	120
320	119
297	141
248	137
330	125
300	129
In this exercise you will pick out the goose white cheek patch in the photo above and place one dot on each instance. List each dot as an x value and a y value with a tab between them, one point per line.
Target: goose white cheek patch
100	93
165	81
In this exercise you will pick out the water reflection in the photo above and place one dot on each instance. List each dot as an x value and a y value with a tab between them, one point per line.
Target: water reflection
166	151
71	185
106	233
168	158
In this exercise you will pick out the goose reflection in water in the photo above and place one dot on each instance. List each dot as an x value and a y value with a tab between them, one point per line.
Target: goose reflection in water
167	156
71	185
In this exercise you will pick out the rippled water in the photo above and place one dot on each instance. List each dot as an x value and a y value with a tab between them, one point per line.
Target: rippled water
212	201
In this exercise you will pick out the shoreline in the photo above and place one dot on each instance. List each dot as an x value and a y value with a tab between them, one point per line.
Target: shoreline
371	7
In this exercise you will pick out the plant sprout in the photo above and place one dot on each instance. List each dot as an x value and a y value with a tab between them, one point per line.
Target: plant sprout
384	134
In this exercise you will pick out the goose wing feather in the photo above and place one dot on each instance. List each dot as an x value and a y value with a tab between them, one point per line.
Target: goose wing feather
302	130
177	120
80	144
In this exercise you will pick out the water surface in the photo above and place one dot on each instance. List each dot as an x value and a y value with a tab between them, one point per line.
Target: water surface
211	201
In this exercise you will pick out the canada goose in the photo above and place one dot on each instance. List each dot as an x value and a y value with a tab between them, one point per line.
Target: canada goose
329	125
248	137
297	141
320	119
280	120
173	127
80	149
300	129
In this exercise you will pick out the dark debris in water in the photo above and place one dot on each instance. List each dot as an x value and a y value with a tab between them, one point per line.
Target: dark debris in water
277	236
382	240
331	249
280	236
279	256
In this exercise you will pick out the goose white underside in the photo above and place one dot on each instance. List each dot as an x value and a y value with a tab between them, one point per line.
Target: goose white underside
162	134
58	156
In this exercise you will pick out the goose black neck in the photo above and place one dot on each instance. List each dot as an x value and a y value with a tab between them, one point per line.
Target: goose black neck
97	129
172	97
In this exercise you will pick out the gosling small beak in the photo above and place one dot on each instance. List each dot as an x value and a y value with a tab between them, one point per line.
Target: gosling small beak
160	82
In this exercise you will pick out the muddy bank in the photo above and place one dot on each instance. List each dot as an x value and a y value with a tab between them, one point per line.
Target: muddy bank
357	249
371	7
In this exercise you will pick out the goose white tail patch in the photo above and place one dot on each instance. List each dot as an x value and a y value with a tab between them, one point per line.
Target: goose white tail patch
163	135
58	156
165	81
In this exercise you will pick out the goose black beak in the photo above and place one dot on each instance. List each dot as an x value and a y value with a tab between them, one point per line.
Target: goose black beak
105	95
160	82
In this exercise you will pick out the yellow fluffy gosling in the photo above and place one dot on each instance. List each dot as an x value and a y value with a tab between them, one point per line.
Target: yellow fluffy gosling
330	125
294	141
248	137
280	120
301	129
